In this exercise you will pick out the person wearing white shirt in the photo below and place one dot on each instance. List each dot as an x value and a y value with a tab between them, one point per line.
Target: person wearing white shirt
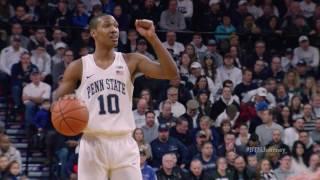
308	7
139	113
42	60
307	53
177	108
33	94
171	43
292	134
229	71
185	7
11	55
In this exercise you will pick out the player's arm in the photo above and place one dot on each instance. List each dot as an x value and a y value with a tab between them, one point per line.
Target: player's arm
71	76
167	68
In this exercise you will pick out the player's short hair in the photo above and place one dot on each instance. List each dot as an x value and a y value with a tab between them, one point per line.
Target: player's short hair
95	21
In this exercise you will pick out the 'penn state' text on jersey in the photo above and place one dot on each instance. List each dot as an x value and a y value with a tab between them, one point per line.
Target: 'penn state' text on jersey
107	94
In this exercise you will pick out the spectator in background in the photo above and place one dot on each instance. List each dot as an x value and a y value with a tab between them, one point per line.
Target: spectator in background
259	53
171	19
33	95
123	21
21	16
222	171
277	142
11	55
292	134
169	168
212	51
264	131
58	69
131	43
13	171
42	60
197	42
165	144
228	71
205	103
166	115
315	134
8	150
244	135
265	170
16	30
61	15
307	53
185	7
150	129
246	84
239	14
80	17
39	38
191	114
138	136
196	171
57	37
41	120
149	10
20	77
285	169
146	170
313	164
241	170
60	48
172	43
151	103
182	132
224	30
139	113
208	157
85	40
231	113
4	161
211	19
177	108
299	160
142	48
275	69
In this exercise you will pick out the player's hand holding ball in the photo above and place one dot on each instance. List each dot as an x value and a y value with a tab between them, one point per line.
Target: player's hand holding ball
69	115
145	28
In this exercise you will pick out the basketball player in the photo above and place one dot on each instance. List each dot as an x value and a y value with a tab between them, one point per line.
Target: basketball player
107	149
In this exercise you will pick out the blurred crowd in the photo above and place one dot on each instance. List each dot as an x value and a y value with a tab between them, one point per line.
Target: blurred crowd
246	105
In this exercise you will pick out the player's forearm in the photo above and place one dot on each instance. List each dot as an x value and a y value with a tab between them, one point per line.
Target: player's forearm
167	64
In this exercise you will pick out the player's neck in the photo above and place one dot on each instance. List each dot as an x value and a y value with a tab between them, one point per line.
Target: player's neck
104	54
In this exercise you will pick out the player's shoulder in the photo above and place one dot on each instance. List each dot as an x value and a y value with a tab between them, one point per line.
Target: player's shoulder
131	57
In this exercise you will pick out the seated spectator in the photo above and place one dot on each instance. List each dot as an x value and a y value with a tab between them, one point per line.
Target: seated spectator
196	171
299	26
205	104
84	40
21	16
4	161
138	136
228	71
264	131
150	129
169	168
249	26
224	30
166	144
202	84
9	151
57	37
243	136
182	132
285	117
252	164
224	128
147	172
166	115
315	134
42	117
42	60
14	171
228	145
282	95
60	48
58	69
172	43
171	19
226	99
20	77
177	108
222	171
299	161
123	22
292	134
212	51
197	42
33	95
131	42
139	113
80	17
313	164
39	38
246	84
266	171
241	170
142	48
231	113
307	141
205	124
307	53
148	10
292	82
260	53
11	55
260	72
275	70
296	107
16	30
285	169
207	156
192	114
287	60
277	142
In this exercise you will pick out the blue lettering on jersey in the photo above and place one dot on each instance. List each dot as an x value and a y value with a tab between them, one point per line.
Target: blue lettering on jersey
106	84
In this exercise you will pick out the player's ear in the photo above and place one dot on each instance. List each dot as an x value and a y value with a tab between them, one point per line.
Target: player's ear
93	33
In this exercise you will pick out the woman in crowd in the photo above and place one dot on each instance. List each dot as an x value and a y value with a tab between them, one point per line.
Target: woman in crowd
138	136
296	106
284	117
299	162
243	136
265	171
292	82
222	171
184	65
204	103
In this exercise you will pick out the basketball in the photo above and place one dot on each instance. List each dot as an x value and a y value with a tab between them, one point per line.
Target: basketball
69	116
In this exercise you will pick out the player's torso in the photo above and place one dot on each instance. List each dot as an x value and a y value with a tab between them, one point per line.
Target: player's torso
108	96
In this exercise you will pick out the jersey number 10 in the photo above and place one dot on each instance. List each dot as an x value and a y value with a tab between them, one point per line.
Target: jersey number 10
112	102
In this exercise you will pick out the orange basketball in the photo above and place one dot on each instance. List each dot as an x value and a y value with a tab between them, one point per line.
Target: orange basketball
69	116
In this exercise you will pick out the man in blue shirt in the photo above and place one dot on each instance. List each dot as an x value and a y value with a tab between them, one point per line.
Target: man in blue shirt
165	144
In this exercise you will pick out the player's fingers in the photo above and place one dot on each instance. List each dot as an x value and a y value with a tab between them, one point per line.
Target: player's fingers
143	23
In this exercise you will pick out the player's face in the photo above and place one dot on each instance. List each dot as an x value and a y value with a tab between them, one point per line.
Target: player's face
107	31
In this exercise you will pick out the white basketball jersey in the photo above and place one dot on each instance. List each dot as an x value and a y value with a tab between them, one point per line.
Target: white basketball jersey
107	94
